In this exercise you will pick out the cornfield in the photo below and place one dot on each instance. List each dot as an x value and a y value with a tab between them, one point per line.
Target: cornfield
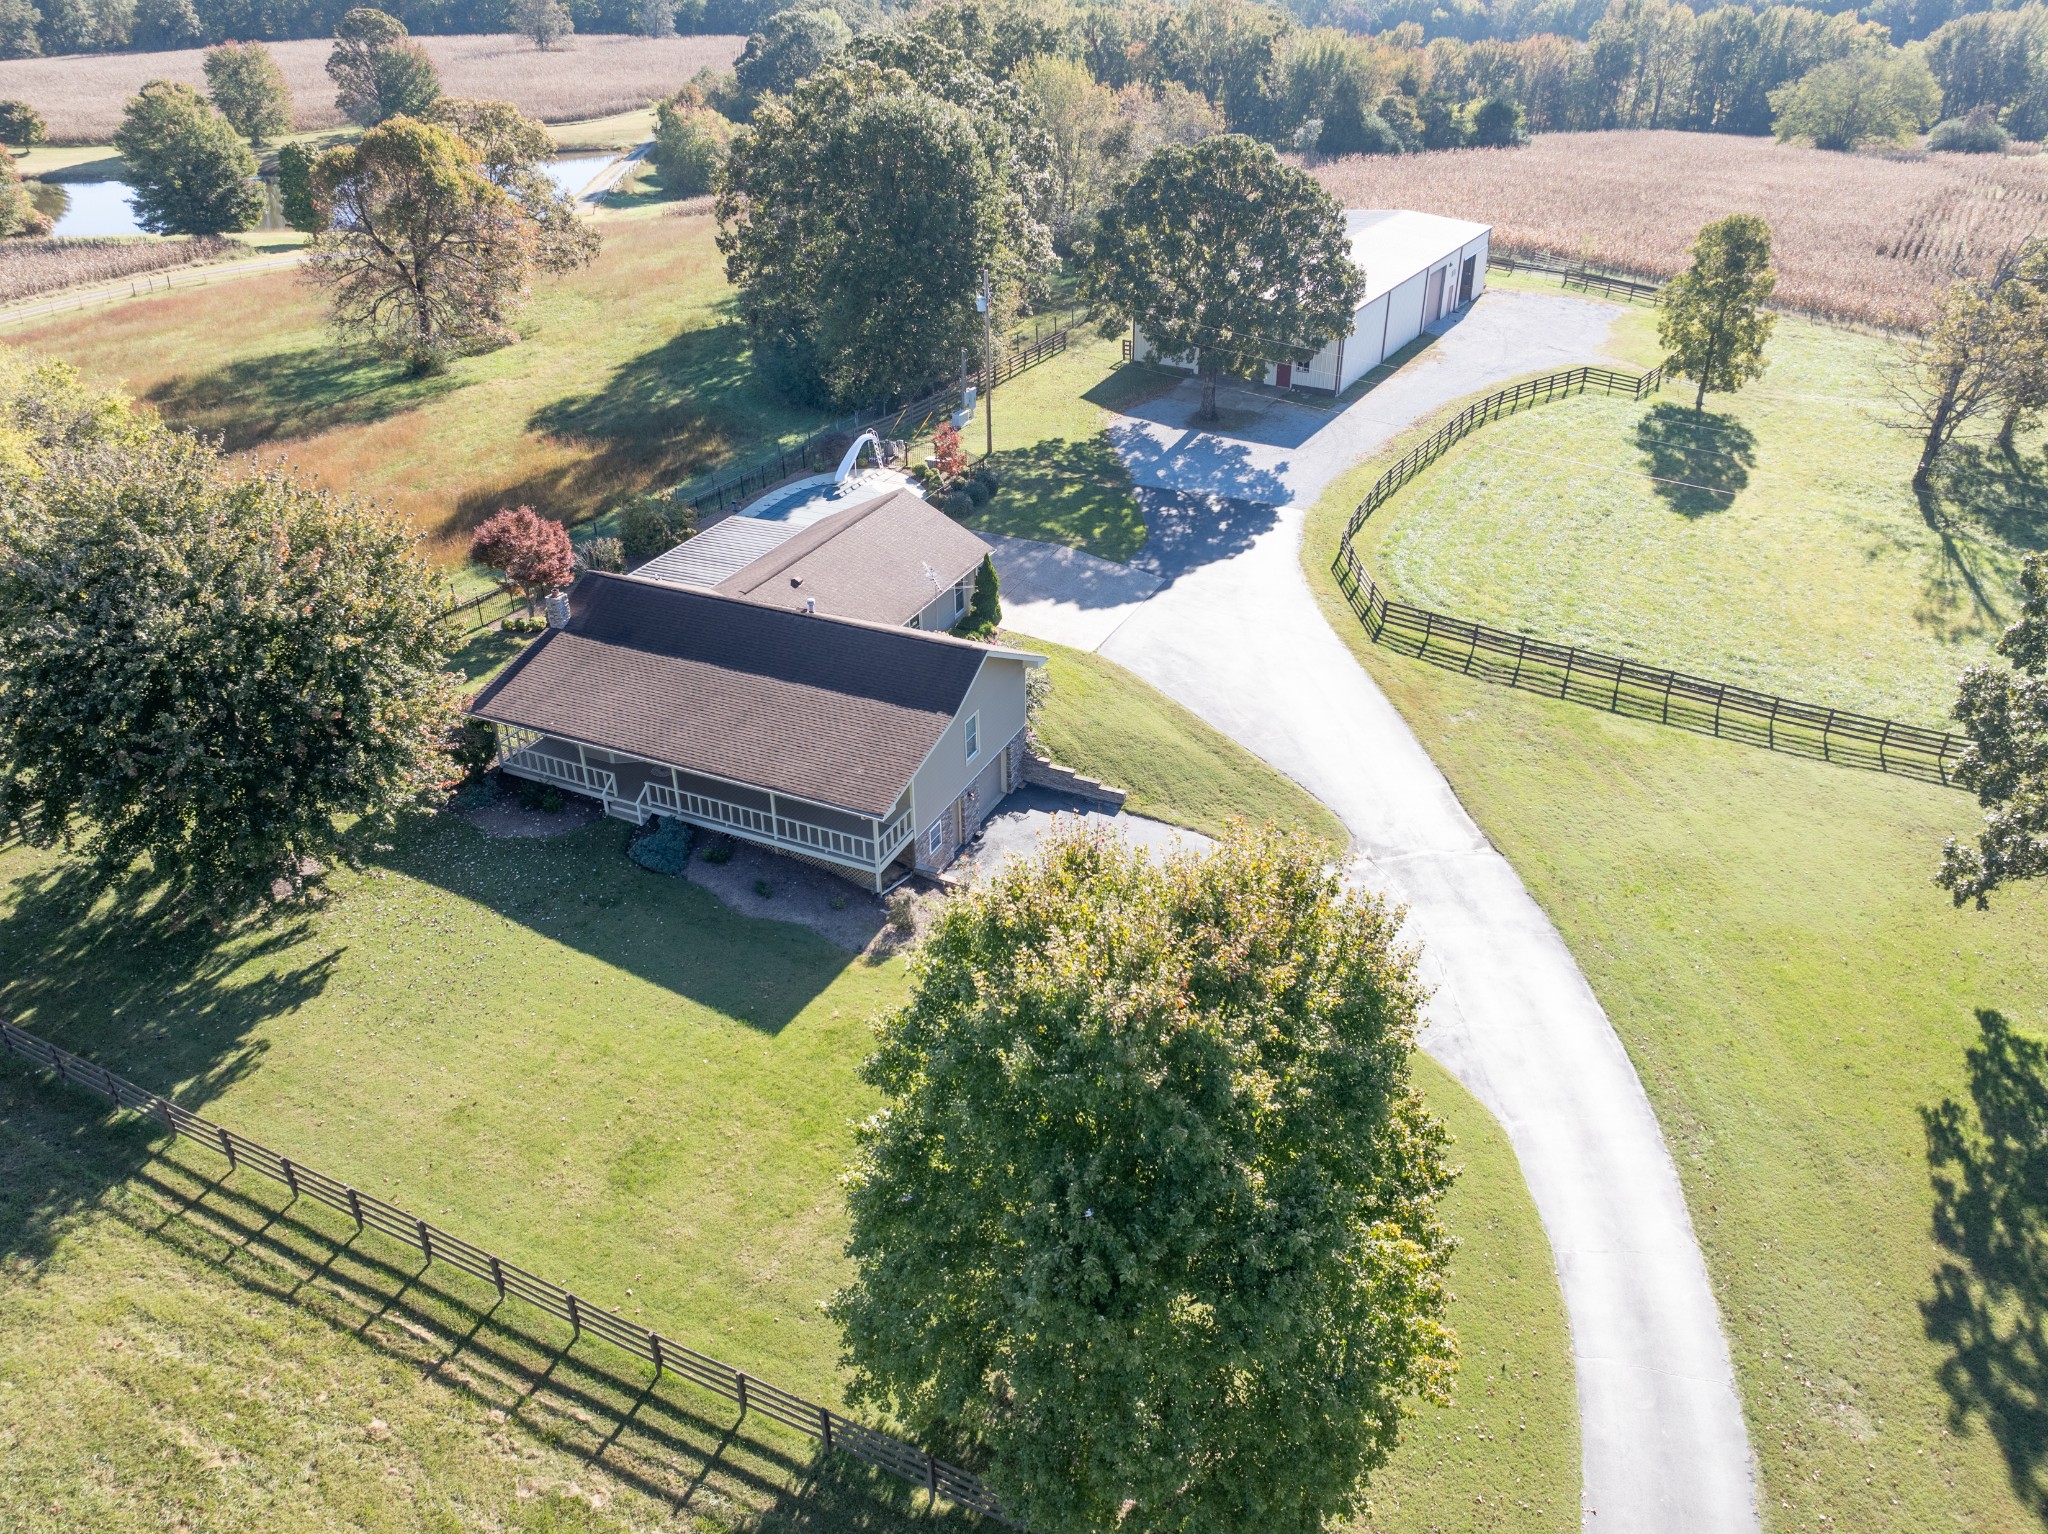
29	267
1860	237
81	95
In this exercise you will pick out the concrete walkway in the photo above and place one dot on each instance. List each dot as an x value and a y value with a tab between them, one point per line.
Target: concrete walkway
1233	633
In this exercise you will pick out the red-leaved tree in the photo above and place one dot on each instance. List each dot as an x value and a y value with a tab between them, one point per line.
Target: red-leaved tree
948	457
528	549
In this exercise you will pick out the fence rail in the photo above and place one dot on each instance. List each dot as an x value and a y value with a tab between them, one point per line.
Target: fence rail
906	423
881	1450
1622	686
1577	275
481	611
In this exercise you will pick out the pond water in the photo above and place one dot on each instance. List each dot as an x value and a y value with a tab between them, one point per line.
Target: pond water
84	209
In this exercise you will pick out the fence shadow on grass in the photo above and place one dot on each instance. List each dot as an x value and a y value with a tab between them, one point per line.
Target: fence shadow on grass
1988	1161
664	1441
283	395
1697	460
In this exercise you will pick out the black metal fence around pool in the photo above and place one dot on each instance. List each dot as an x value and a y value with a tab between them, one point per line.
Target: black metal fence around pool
835	1431
1613	682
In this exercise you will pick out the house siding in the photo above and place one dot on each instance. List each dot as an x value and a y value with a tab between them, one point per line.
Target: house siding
996	698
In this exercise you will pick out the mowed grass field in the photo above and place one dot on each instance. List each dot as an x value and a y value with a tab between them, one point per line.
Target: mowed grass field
631	374
81	95
1799	999
1771	539
604	1075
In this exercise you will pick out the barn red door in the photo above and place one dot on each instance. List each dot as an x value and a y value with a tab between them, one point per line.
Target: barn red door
1283	375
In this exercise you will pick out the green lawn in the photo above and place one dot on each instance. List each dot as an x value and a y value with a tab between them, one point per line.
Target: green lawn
1062	482
1771	540
1796	995
1103	721
633	373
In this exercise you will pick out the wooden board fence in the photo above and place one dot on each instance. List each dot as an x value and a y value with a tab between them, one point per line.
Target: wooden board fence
881	1450
1724	709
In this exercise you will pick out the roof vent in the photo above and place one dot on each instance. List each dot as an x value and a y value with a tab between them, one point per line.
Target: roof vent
558	609
811	606
795	581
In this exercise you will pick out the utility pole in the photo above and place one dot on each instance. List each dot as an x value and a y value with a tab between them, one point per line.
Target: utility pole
985	302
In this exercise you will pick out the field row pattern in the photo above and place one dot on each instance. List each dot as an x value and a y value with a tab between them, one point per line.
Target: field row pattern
1613	682
881	1450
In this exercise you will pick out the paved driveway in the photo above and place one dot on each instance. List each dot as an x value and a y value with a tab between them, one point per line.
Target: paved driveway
1233	633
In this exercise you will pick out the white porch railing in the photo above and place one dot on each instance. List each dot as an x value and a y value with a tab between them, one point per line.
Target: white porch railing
577	775
802	835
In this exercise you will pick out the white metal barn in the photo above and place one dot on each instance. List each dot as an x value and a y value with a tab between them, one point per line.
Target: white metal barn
1418	267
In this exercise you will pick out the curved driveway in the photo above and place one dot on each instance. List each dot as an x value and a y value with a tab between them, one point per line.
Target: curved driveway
1222	619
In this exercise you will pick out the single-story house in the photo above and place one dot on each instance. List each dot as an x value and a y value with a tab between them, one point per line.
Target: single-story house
893	559
871	748
1418	268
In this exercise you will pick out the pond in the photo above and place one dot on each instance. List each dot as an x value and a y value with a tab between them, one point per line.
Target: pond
84	209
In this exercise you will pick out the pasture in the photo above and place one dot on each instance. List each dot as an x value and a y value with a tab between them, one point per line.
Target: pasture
606	1075
1802	1005
81	95
1770	540
1863	237
630	374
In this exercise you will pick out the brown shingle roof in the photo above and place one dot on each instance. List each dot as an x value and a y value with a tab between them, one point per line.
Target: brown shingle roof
866	562
835	711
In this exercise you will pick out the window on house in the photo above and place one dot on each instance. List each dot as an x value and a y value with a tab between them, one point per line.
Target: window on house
973	736
960	598
937	840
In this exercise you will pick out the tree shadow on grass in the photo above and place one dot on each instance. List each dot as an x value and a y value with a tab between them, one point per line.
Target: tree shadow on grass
1698	460
1988	1161
2006	494
662	417
1064	491
285	395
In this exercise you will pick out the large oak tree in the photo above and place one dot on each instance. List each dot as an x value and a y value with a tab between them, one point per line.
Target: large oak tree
191	172
1220	252
1147	1223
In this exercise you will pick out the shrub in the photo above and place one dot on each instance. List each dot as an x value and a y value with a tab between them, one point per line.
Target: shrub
663	846
985	612
551	800
690	146
902	912
718	849
975	491
764	889
604	554
948	456
1979	133
987	479
957	504
651	525
474	743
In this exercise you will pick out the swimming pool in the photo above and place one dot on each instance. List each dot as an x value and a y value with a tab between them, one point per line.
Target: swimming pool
809	500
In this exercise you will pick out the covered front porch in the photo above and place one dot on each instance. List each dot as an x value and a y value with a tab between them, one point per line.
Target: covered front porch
862	847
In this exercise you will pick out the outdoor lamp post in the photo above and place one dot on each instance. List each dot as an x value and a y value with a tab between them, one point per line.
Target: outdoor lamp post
983	302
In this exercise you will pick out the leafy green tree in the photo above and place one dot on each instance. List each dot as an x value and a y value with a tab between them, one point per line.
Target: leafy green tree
378	71
856	216
791	46
1498	123
513	150
654	18
211	671
166	24
250	90
18	212
1148	1220
985	609
1712	319
547	22
2004	710
21	125
421	255
1979	133
690	147
651	525
1868	98
18	39
47	410
191	172
295	188
1222	253
1956	371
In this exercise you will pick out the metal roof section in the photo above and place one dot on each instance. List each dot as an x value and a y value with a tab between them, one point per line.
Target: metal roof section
1393	244
718	553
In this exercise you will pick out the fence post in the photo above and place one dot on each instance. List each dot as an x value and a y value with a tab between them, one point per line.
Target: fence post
1827	725
1570	656
1885	735
575	1318
291	1178
1771	725
426	1241
1720	695
825	1426
739	1379
1521	652
654	1341
355	1207
498	1276
227	1145
1670	679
